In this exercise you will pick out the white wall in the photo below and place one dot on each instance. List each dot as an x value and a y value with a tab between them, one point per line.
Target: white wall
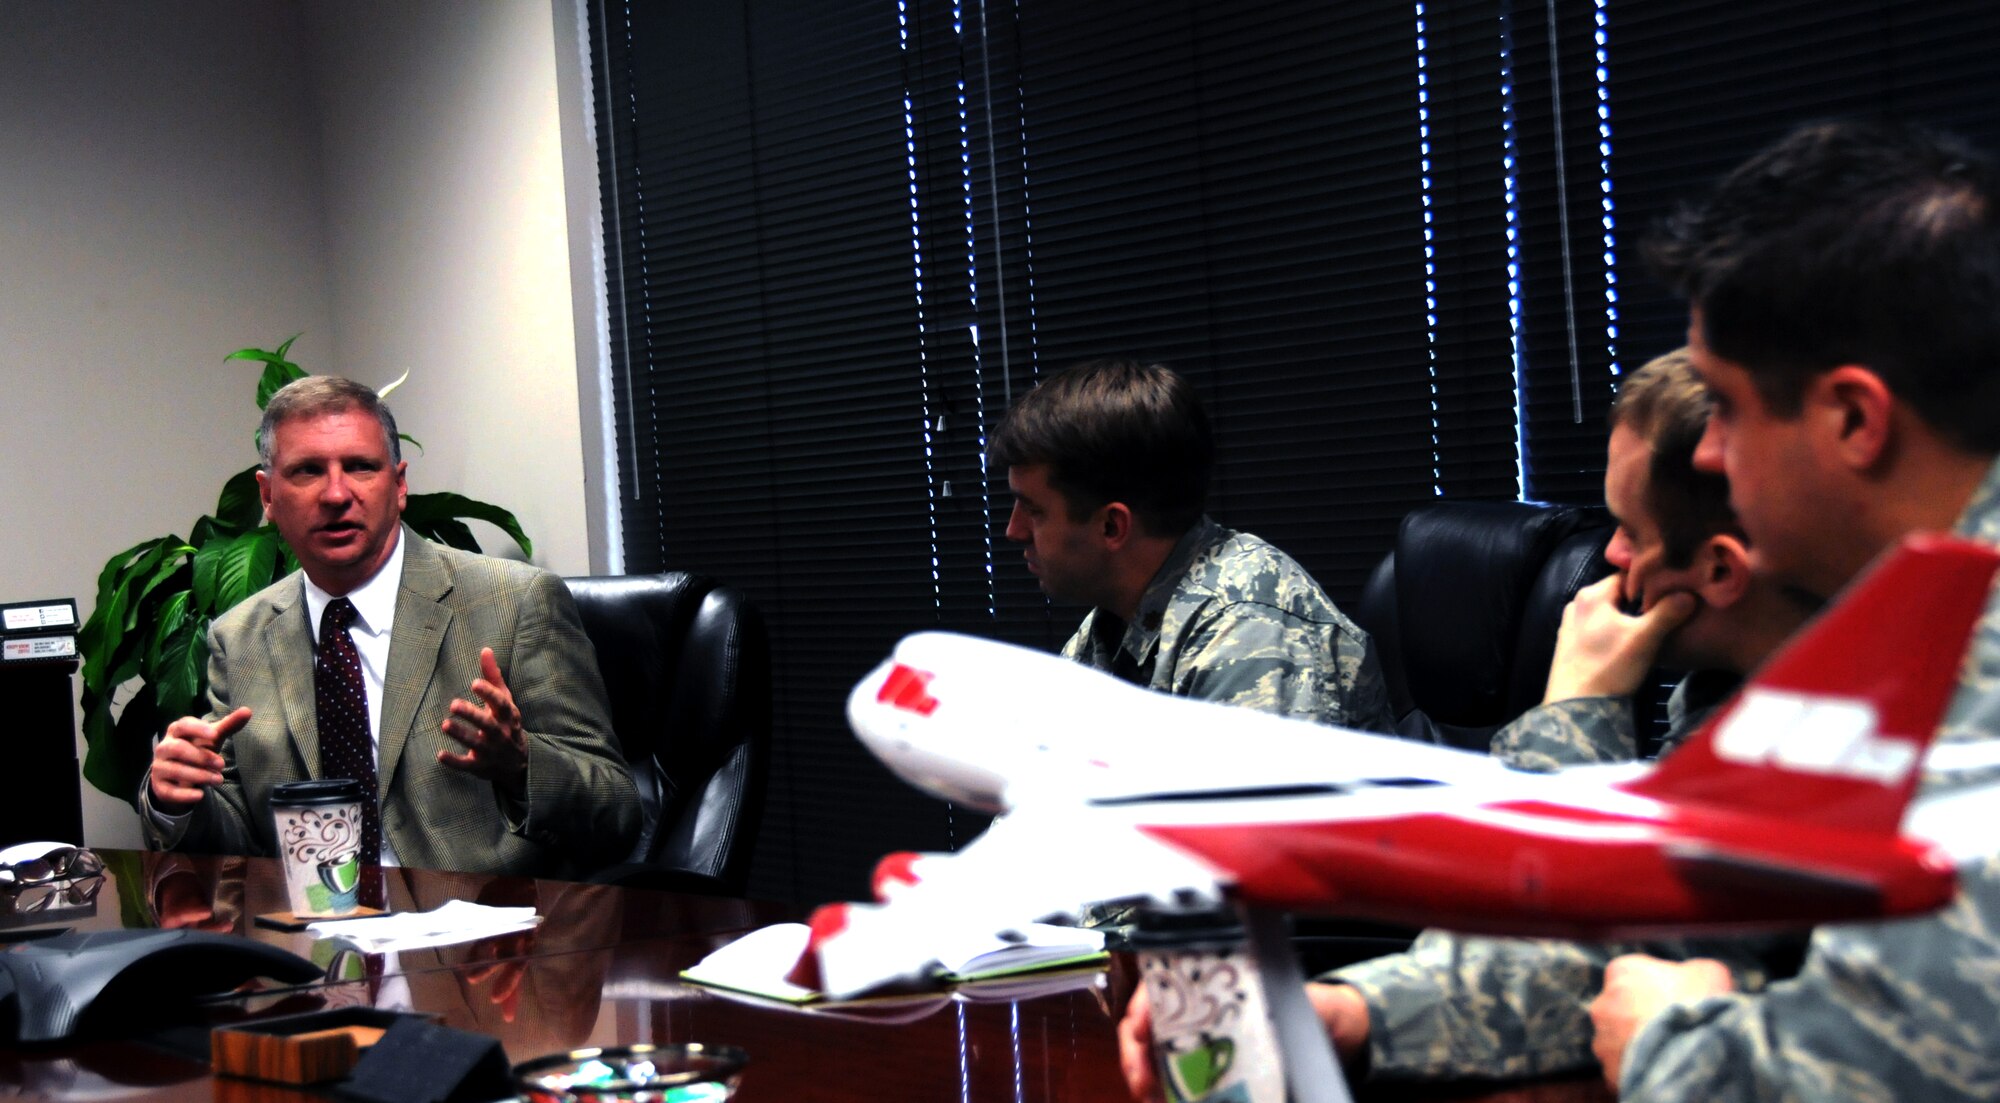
449	249
159	206
180	180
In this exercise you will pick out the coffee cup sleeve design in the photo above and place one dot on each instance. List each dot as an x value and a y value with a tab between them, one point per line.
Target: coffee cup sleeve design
311	835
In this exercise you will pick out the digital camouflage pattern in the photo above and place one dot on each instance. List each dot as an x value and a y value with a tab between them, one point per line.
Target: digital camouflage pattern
1464	1006
1230	618
1602	729
1581	730
1900	1011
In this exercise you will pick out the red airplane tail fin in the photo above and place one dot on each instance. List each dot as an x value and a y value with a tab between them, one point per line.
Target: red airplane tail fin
1833	729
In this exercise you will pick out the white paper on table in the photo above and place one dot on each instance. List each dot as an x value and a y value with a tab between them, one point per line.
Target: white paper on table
455	922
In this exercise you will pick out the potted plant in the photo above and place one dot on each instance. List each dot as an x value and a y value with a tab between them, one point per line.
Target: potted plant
155	601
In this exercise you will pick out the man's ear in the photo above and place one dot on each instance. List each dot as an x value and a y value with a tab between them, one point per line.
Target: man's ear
1723	566
264	492
1854	407
1117	525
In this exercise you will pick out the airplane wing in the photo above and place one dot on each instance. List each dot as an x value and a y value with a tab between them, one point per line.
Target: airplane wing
1028	867
994	726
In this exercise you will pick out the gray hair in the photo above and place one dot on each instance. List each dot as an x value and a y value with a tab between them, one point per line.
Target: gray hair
318	395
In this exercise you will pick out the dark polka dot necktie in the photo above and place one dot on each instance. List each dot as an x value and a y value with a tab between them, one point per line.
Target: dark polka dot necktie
341	697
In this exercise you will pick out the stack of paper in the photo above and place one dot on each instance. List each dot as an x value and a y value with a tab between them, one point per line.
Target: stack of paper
759	961
455	922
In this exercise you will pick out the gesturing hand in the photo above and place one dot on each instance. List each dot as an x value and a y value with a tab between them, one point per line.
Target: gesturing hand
495	746
1601	651
188	760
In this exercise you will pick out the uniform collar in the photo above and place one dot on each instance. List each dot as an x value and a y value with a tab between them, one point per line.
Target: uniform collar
1141	638
1981	519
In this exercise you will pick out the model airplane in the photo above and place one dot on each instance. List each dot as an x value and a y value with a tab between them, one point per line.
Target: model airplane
1785	810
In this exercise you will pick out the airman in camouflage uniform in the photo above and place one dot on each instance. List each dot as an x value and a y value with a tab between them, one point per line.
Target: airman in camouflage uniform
1230	618
1846	321
1109	465
1887	1012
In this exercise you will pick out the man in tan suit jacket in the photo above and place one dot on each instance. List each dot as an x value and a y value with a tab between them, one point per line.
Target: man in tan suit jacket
493	747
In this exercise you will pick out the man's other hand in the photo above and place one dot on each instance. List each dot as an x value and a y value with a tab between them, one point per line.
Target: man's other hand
188	759
1340	1007
1345	1015
1603	652
1135	1049
1637	988
495	746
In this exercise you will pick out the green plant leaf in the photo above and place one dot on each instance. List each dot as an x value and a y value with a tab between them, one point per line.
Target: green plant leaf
141	568
96	709
448	531
180	672
175	562
103	633
108	577
227	571
207	565
172	616
209	529
426	510
117	761
412	440
239	505
97	720
123	663
278	371
106	622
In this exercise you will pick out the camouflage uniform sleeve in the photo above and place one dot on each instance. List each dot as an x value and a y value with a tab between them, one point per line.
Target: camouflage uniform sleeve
1888	1012
1504	1008
1364	704
1458	1006
1255	656
1568	733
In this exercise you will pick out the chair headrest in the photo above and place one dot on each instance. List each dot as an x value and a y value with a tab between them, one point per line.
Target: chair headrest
1469	579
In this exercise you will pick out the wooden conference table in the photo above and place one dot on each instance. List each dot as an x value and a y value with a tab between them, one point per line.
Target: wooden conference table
603	969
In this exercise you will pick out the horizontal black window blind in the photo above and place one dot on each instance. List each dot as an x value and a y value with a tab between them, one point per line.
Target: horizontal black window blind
1393	244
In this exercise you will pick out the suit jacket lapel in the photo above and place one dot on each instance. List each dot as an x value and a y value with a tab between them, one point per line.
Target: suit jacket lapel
288	643
421	619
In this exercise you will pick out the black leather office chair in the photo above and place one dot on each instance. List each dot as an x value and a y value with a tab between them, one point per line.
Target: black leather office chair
1464	611
687	664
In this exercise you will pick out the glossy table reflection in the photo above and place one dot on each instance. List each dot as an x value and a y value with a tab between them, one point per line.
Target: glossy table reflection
602	969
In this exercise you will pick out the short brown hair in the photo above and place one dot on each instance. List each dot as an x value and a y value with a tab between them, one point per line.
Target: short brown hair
1665	404
1115	431
1854	242
318	395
